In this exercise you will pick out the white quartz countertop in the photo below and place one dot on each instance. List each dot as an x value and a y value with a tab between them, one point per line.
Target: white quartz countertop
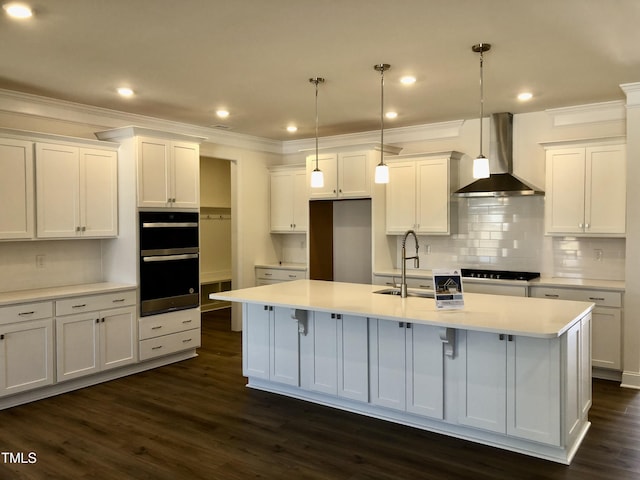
283	266
534	317
54	293
543	281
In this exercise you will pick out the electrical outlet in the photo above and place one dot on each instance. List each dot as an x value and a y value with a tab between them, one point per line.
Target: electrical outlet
39	261
598	254
427	248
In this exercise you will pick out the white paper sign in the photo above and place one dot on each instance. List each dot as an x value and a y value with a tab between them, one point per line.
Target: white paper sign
447	286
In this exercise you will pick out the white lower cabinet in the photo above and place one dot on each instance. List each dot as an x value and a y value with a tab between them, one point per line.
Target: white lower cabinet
169	333
510	385
97	338
26	355
407	367
334	355
272	334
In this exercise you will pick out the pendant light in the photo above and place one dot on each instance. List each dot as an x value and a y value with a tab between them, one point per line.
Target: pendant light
481	163
382	170
317	178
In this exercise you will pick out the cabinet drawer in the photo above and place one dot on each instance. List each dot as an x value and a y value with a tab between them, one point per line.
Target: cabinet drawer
25	311
91	303
167	344
602	298
420	283
279	274
167	323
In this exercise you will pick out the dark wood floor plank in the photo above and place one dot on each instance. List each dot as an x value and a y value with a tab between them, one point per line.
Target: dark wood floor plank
197	420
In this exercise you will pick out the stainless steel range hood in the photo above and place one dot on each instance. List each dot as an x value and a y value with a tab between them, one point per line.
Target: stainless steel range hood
502	182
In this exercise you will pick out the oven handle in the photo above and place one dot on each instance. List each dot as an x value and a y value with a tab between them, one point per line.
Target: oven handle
168	224
164	258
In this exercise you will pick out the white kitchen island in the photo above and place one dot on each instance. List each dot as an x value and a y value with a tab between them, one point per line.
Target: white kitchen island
510	372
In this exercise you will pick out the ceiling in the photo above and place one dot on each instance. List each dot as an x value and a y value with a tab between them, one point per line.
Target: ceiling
185	59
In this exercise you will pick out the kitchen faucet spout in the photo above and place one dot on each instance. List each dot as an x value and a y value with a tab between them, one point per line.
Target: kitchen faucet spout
416	261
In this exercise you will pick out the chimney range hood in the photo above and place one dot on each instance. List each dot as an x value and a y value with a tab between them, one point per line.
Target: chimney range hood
502	182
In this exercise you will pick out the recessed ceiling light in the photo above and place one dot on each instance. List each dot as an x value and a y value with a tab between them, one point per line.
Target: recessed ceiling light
292	129
524	96
125	92
222	113
408	80
391	114
18	10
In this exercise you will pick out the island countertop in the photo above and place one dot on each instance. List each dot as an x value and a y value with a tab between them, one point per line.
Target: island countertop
533	317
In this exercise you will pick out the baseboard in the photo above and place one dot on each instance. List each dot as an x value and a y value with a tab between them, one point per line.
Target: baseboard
631	380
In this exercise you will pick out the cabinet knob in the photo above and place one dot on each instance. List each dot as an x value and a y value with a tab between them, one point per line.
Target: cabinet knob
587	225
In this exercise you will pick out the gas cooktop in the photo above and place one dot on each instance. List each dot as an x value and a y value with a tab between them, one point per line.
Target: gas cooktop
499	274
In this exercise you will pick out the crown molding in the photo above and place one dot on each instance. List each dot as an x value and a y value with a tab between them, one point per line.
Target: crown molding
591	113
415	133
105	119
632	91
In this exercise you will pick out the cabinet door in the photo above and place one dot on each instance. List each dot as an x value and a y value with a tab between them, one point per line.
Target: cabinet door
328	164
401	197
153	172
26	356
77	345
482	376
98	193
319	354
533	389
565	178
425	371
353	358
57	191
388	363
285	347
118	338
354	175
432	202
605	203
185	178
607	338
255	340
281	207
16	189
300	202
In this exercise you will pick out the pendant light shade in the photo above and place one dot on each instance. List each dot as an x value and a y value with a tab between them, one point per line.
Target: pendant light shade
481	163
382	170
317	177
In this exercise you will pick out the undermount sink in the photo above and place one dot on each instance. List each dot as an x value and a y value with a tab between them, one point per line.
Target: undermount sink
410	293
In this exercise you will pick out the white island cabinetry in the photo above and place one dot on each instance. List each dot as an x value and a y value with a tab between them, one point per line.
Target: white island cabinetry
514	375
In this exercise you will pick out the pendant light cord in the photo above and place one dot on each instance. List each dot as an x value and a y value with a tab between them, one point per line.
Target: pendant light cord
481	97
382	69
316	82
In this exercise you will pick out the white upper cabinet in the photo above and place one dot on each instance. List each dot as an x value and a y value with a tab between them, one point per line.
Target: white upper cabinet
346	174
586	190
289	210
76	191
16	189
419	193
168	173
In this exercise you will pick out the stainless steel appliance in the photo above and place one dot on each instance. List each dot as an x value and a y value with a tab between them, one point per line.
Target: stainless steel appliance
169	261
498	274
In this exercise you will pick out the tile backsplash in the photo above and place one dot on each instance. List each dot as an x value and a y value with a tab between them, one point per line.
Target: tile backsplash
508	234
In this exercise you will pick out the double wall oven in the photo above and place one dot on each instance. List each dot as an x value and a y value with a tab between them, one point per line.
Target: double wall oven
169	261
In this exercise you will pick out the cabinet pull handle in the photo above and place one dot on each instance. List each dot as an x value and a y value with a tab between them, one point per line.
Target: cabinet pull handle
268	274
78	228
22	314
2	337
84	228
157	327
510	337
186	321
118	300
156	348
587	225
551	295
82	305
400	324
597	299
293	276
408	325
97	320
501	336
187	340
425	286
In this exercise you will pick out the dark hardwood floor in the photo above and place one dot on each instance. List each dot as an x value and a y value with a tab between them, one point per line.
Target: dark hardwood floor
196	420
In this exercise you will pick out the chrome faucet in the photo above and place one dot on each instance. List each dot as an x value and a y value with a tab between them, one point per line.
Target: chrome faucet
416	261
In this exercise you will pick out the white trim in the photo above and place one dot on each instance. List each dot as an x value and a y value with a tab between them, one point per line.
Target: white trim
591	113
104	118
630	380
632	91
